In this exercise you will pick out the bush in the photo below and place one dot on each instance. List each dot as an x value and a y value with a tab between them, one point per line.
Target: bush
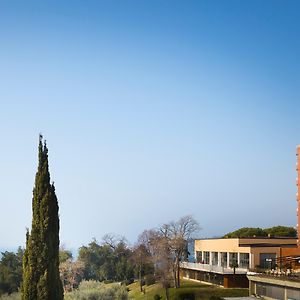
157	297
13	296
127	282
149	279
94	290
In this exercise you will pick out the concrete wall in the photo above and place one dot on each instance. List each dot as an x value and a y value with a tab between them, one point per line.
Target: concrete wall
274	288
220	245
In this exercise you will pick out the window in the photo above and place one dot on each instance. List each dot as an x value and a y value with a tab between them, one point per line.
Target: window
224	259
233	259
244	260
206	257
199	257
267	260
215	258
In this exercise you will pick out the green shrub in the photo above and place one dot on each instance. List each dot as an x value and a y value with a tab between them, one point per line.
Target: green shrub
128	281
94	290
13	296
157	297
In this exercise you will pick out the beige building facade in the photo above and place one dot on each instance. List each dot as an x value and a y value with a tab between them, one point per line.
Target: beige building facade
245	253
227	261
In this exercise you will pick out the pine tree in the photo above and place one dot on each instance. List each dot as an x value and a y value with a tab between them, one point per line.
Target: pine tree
41	279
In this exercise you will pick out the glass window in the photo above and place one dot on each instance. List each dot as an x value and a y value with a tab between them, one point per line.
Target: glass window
244	260
224	259
233	259
206	256
267	260
215	258
199	257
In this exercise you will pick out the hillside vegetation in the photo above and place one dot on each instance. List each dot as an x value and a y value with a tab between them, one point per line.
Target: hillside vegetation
276	231
200	290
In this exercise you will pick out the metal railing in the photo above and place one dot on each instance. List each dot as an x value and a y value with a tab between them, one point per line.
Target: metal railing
212	268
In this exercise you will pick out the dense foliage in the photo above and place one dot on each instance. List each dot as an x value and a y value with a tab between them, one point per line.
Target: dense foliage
41	278
10	271
281	231
93	290
107	262
276	231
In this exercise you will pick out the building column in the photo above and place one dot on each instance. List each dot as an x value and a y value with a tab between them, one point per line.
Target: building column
227	260
202	257
238	259
210	257
219	259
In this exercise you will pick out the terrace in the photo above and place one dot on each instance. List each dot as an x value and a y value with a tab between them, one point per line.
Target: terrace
212	268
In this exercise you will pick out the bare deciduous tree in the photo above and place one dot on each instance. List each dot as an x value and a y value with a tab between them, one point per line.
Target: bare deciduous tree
113	240
178	233
71	274
162	259
168	246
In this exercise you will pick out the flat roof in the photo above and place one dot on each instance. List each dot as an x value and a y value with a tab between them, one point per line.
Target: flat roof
288	281
251	238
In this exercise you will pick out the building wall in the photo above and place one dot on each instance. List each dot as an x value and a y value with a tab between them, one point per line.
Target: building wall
298	193
220	245
250	246
267	240
226	280
235	281
274	288
255	253
238	245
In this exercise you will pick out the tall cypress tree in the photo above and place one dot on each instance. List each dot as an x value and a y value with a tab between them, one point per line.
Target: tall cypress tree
41	279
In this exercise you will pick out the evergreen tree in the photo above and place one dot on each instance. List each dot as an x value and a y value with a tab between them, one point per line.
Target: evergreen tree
41	279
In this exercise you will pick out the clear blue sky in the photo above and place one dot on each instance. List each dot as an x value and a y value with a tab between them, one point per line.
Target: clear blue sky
152	110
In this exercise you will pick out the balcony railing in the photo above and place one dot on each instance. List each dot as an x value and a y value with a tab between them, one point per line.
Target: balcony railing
212	268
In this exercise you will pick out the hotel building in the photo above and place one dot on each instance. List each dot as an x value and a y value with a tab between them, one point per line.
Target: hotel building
226	261
238	262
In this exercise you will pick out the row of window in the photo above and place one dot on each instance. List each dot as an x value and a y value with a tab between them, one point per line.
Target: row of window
204	257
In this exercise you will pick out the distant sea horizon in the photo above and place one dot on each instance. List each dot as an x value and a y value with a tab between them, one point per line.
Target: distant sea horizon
15	249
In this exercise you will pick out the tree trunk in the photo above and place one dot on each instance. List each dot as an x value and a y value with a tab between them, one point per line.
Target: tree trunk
140	278
178	275
174	275
167	293
176	271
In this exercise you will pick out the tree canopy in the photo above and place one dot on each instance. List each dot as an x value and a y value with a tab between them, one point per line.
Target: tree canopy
276	231
41	280
107	261
10	271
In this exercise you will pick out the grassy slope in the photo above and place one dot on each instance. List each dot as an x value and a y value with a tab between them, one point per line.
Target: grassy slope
202	291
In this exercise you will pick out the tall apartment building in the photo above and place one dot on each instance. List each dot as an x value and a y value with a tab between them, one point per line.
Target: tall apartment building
298	193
